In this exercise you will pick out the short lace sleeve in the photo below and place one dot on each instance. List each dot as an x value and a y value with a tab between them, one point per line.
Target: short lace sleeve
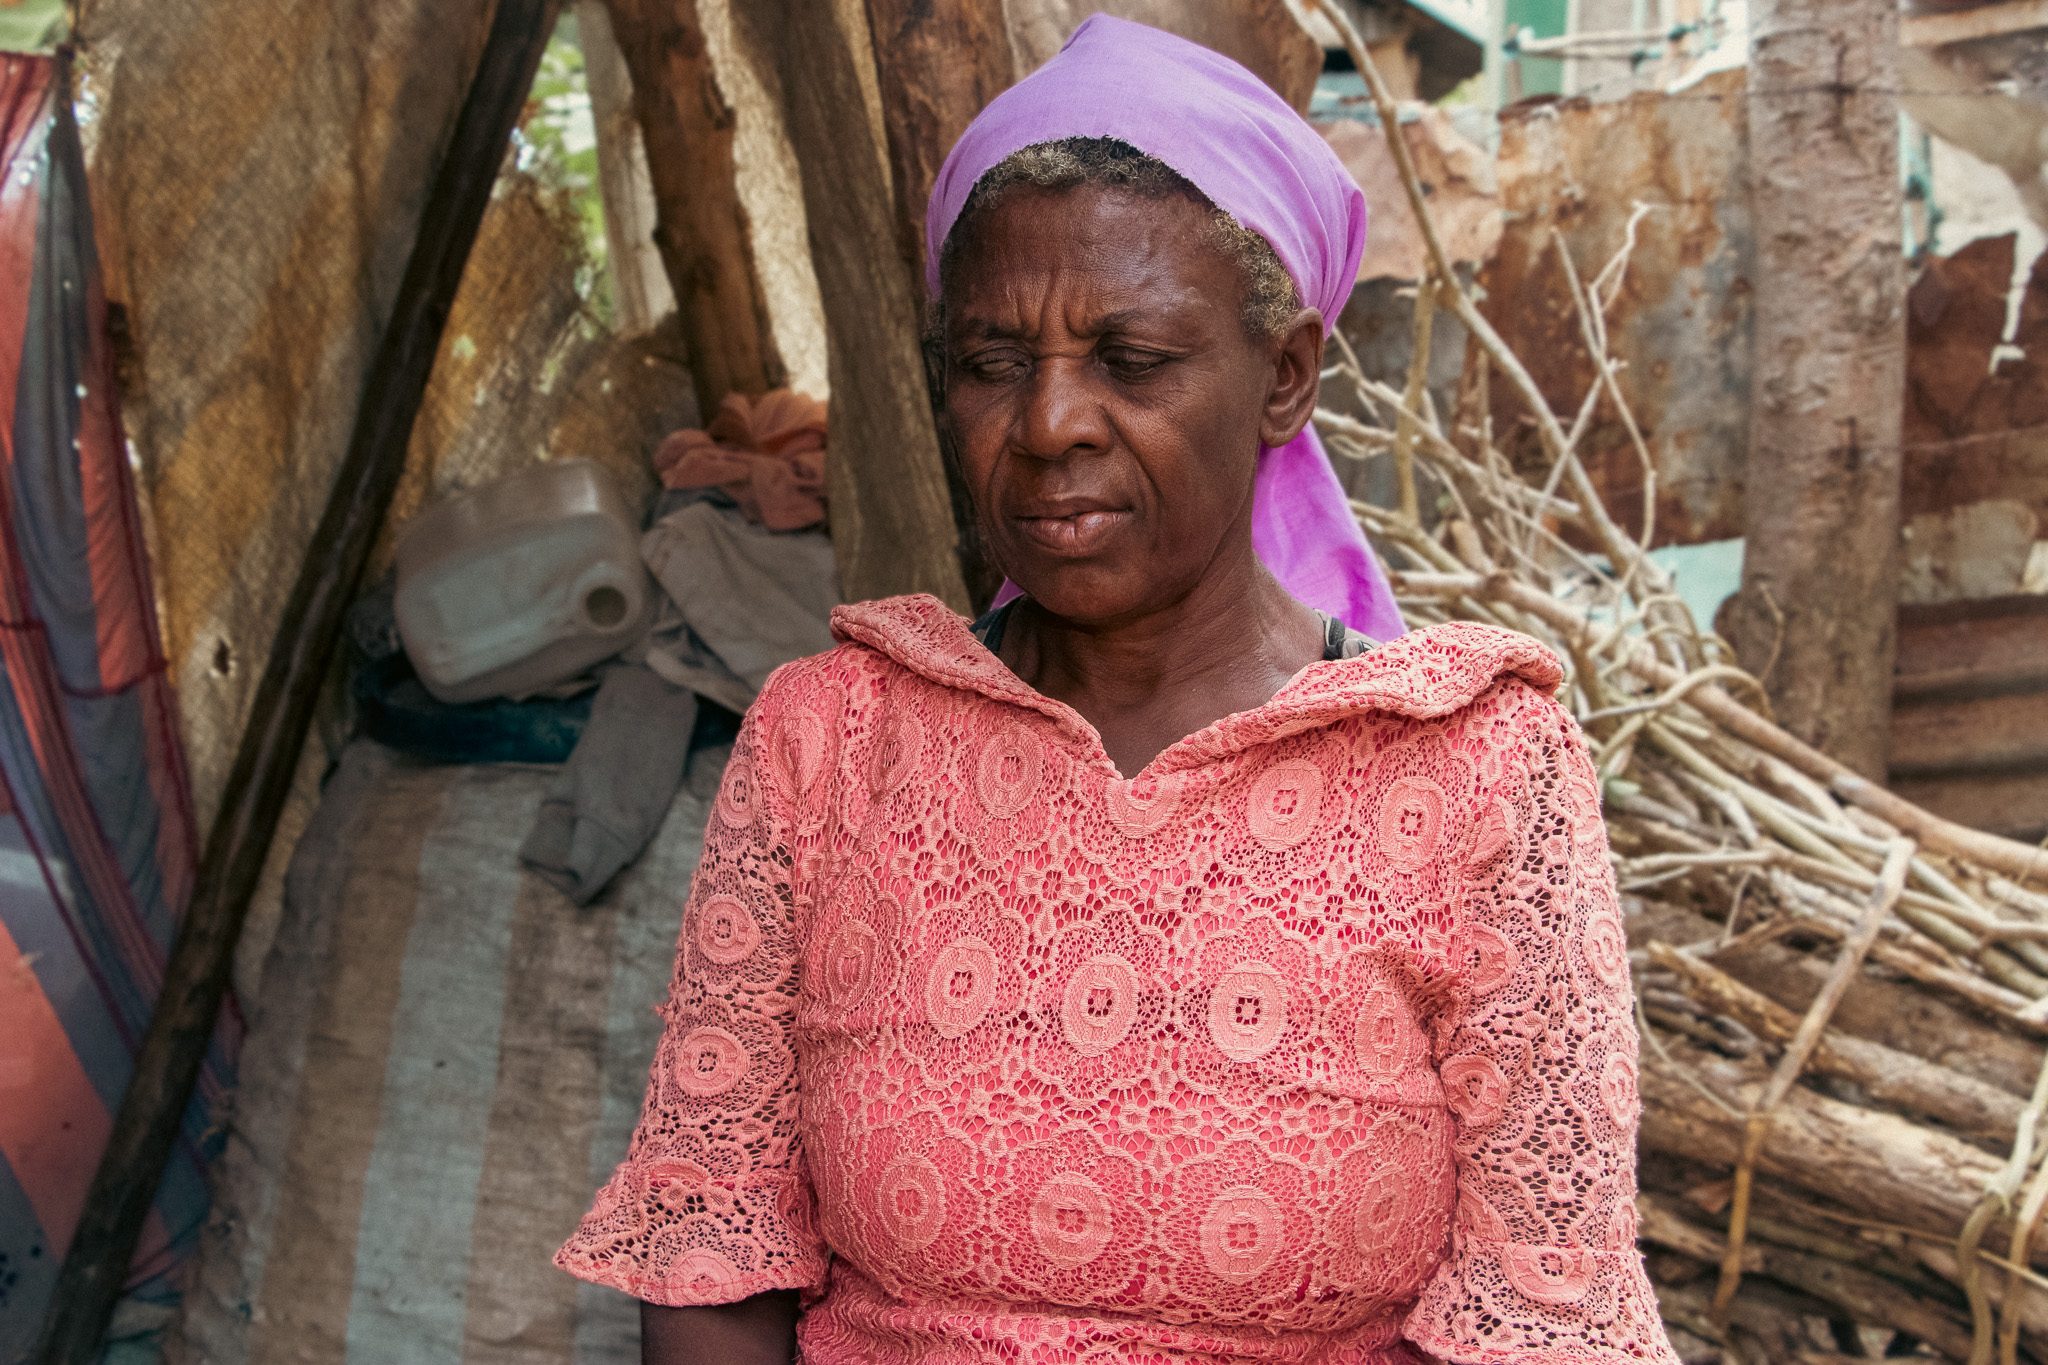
712	1203
1538	1058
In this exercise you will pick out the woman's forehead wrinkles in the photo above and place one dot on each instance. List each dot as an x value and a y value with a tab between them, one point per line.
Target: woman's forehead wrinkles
1087	290
1025	317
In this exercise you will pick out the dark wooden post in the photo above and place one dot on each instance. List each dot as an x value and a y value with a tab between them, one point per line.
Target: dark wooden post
937	64
89	1284
892	516
1815	618
701	228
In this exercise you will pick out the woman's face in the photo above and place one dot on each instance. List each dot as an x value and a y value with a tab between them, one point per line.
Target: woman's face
1106	402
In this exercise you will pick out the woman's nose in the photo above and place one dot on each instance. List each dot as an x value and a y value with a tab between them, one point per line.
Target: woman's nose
1062	411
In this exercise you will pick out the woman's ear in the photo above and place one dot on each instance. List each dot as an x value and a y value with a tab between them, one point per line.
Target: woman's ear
1297	377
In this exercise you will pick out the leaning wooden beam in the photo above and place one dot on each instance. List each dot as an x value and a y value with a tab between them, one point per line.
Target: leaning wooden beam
701	229
196	978
640	287
937	64
892	515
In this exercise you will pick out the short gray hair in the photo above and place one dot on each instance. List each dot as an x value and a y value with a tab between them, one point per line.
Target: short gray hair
1270	299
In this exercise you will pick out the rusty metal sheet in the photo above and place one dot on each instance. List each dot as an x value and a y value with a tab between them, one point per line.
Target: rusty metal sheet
1976	430
1458	177
1959	382
1576	169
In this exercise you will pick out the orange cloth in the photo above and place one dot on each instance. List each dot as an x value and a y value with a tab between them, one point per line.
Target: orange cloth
768	453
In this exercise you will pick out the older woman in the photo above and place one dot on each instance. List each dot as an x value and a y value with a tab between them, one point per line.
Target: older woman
1156	970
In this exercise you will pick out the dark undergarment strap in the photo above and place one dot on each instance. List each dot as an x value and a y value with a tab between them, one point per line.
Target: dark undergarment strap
1334	632
988	627
1337	637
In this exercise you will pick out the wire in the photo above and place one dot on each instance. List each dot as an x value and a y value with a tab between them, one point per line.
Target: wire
1800	91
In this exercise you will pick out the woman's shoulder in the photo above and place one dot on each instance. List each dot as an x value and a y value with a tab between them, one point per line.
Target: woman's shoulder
1455	658
1501	686
1443	672
880	643
842	675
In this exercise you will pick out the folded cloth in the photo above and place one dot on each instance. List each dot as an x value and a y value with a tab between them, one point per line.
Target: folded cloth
754	598
740	601
768	453
609	798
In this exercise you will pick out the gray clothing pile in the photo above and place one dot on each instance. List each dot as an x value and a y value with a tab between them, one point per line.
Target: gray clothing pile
740	602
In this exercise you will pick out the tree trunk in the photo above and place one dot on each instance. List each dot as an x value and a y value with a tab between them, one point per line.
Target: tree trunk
701	228
892	517
937	64
1815	616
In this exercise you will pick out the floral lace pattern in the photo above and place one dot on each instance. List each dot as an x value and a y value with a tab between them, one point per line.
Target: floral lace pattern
1310	1043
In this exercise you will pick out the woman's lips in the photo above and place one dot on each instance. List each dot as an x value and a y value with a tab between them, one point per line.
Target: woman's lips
1076	533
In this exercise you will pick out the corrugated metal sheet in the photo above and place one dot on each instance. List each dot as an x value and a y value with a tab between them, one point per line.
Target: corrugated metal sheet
1970	712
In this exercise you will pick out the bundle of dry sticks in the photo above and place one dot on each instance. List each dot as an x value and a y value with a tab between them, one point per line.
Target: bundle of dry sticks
1843	998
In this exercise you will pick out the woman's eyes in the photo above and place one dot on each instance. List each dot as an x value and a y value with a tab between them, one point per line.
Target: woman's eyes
1124	363
993	367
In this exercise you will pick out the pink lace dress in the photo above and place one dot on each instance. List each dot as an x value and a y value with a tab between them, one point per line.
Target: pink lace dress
1310	1043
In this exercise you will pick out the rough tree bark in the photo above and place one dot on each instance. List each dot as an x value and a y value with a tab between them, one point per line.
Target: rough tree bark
701	229
1815	615
892	516
937	63
1879	1164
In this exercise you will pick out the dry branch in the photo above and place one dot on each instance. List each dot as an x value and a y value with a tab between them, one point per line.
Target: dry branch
1892	966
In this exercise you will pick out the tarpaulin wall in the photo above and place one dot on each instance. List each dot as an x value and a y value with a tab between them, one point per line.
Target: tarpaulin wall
97	842
444	1060
246	313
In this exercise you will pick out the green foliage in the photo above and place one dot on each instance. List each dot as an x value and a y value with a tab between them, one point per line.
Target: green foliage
31	25
558	147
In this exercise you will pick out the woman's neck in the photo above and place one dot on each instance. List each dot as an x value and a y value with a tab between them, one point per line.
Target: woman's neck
1147	681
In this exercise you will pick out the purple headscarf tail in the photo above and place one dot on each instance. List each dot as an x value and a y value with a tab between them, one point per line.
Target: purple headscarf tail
1240	144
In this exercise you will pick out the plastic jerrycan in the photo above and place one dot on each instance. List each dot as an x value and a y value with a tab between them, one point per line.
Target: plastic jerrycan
523	583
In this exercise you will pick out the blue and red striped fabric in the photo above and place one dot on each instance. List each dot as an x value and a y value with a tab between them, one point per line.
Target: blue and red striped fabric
97	841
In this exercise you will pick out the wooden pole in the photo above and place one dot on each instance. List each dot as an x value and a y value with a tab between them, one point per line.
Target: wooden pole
1815	618
196	978
937	64
892	514
701	226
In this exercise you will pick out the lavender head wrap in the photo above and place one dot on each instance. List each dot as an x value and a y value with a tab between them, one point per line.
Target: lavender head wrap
1240	144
